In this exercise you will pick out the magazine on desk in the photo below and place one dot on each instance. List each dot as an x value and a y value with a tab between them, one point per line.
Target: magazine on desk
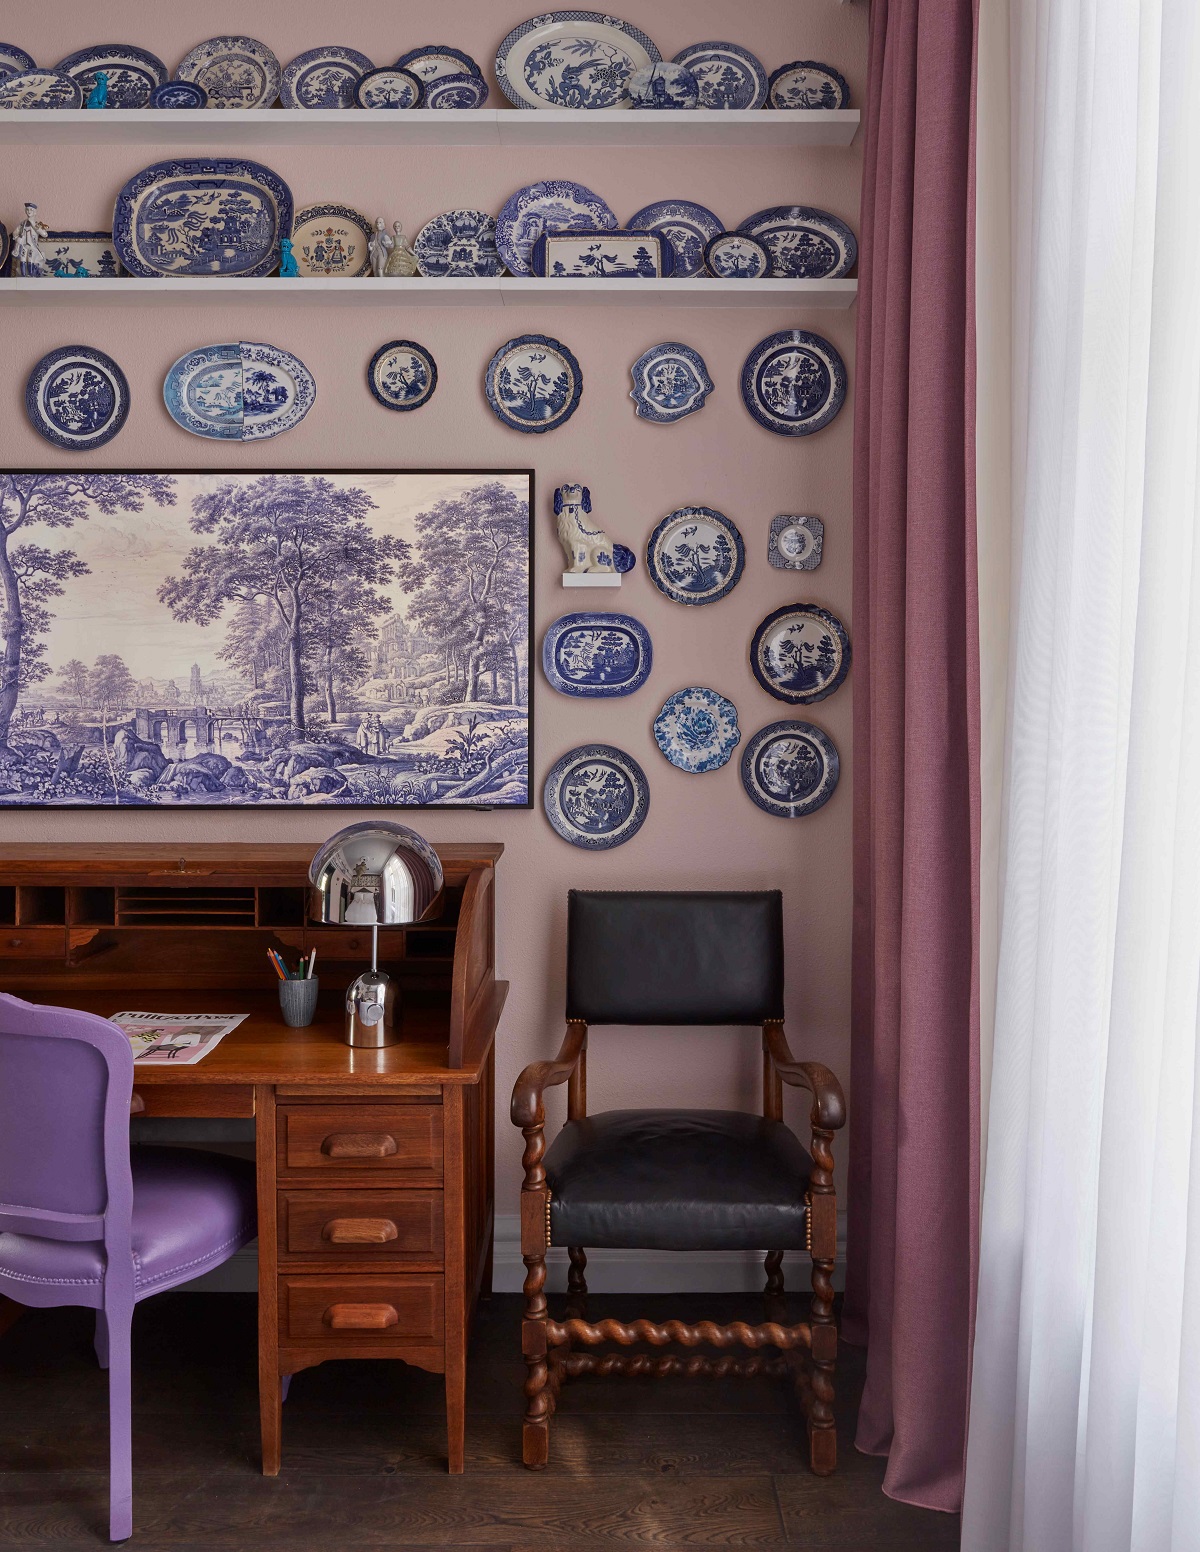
175	1039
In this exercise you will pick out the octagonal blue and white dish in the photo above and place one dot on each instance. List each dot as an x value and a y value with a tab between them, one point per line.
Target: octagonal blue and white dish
804	243
806	83
178	94
133	73
77	398
533	383
686	225
552	205
664	85
695	555
737	256
463	91
434	60
243	392
596	797
790	769
793	382
728	75
458	243
697	730
194	216
800	653
235	71
389	87
325	77
40	89
572	59
670	382
402	375
795	542
597	656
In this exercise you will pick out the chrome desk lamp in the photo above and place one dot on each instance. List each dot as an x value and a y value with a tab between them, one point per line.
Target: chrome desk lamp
369	875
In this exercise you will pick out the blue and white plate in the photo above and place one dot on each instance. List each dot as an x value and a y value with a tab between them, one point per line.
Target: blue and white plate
533	383
790	769
133	73
624	560
242	392
603	255
77	398
14	60
459	243
795	543
737	256
462	91
236	72
40	89
664	85
597	655
553	205
695	555
433	60
793	382
806	83
686	226
402	375
388	87
5	246
331	240
729	75
805	244
71	254
178	94
800	653
697	730
572	59
202	216
596	797
669	381
323	77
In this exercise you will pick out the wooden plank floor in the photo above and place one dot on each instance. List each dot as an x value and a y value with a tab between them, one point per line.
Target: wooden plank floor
634	1463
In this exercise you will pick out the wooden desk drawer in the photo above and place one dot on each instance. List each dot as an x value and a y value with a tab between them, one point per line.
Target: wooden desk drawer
193	1099
369	1226
33	943
397	1311
396	1141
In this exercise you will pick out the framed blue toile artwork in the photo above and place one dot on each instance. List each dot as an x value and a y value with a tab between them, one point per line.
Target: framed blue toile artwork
318	638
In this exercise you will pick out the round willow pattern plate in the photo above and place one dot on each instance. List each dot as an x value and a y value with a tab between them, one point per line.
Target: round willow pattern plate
597	656
402	375
235	72
13	60
804	243
596	797
572	59
179	94
40	89
806	83
686	225
697	730
433	60
77	397
554	205
800	653
463	91
729	76
533	383
695	555
794	382
790	769
737	256
388	87
133	73
323	77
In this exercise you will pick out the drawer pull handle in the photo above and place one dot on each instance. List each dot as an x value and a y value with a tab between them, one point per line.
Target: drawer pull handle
360	1317
136	1103
359	1231
359	1145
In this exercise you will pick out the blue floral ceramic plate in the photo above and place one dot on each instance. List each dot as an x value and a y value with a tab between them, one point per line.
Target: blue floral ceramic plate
800	653
212	216
533	383
323	77
793	382
433	60
459	243
596	797
80	254
804	244
461	91
697	730
572	59
235	72
795	543
806	83
729	76
737	256
14	60
178	94
554	205
133	73
686	225
597	656
603	255
402	375
388	87
664	85
40	89
695	555
670	381
243	392
77	398
331	240
790	769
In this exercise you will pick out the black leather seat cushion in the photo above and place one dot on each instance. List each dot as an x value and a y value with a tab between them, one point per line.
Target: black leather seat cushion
678	1180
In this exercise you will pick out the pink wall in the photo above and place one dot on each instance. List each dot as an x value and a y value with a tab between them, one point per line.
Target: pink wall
702	831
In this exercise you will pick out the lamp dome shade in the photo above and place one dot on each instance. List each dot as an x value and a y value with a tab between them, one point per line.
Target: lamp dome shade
375	873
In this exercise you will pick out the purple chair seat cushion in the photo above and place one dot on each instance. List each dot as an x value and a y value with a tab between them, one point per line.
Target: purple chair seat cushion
191	1211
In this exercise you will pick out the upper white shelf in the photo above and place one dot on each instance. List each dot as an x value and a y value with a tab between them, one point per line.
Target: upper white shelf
241	127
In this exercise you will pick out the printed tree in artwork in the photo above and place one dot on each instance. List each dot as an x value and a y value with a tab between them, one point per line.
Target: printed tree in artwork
74	677
110	685
338	626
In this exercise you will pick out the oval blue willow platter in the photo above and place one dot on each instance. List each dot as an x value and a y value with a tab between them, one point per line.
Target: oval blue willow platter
793	382
388	87
178	94
597	656
737	256
244	392
664	85
572	59
729	76
236	72
14	60
686	225
533	383
402	375
323	77
462	91
790	769
133	73
432	60
596	797
806	83
553	205
800	653
670	381
77	397
219	216
804	243
40	89
603	255
331	240
695	555
458	243
697	730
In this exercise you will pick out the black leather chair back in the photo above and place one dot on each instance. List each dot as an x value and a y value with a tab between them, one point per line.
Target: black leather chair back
688	957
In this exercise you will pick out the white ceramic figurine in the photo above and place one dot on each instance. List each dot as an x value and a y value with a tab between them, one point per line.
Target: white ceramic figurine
587	547
28	258
403	261
379	248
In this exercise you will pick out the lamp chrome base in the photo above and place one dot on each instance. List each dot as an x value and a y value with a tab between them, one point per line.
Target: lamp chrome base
370	1011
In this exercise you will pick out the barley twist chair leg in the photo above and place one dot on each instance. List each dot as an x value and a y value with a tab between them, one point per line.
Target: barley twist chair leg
577	1283
773	1302
822	1430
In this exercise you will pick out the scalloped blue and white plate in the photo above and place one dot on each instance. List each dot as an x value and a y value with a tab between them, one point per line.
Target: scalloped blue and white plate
77	398
572	59
806	83
729	76
737	256
686	225
433	60
323	77
533	383
596	797
793	382
389	87
178	94
463	91
244	392
14	60
695	555
193	216
458	243
236	72
800	653
596	656
697	730
553	205
133	73
402	375
804	243
790	769
331	240
40	89
670	381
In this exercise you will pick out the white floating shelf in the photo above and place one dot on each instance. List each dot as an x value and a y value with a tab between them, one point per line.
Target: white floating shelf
503	291
590	579
242	128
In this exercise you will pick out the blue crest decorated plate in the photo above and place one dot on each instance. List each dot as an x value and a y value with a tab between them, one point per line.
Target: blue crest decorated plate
572	59
603	255
242	392
795	543
132	72
793	382
462	91
553	205
40	89
804	244
323	77
664	85
800	653
14	60
806	83
77	397
697	730
236	72
669	381
458	243
737	256
331	240
402	375
216	216
388	87
178	94
596	797
533	383
790	769
432	60
597	655
729	75
90	254
686	225
695	555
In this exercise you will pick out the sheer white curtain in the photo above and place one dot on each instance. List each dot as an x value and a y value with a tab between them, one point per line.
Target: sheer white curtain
1085	1407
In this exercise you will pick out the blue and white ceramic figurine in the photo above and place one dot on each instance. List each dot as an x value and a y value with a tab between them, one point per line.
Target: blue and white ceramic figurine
790	769
323	77
241	392
697	730
388	87
554	205
603	255
670	381
793	382
533	383
433	60
462	91
331	241
597	656
795	543
804	244
210	216
729	76
77	398
40	89
587	548
806	83
178	94
800	653
686	225
81	253
131	73
28	260
664	85
402	375
596	797
236	72
695	555
459	243
737	256
572	59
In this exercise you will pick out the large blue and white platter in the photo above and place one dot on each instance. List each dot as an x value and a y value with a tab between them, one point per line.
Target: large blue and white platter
243	392
553	205
533	383
729	76
14	60
806	83
670	381
572	59
402	375
40	89
433	60
597	656
133	73
695	555
804	244
77	398
458	243
697	730
76	253
790	769
793	382
330	241
686	225
462	91
603	255
389	87
213	216
236	72
323	77
800	653
596	797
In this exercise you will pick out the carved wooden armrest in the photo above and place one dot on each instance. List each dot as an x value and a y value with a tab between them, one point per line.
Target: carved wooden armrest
528	1109
829	1103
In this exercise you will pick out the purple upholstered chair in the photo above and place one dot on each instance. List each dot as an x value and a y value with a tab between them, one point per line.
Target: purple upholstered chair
85	1219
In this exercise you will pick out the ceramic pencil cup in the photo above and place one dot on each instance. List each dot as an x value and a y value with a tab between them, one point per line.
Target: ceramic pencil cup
298	1001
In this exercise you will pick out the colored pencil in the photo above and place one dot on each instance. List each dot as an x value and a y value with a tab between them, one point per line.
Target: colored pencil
275	964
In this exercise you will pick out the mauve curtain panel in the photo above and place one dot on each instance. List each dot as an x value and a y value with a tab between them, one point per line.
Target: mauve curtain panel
914	1152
